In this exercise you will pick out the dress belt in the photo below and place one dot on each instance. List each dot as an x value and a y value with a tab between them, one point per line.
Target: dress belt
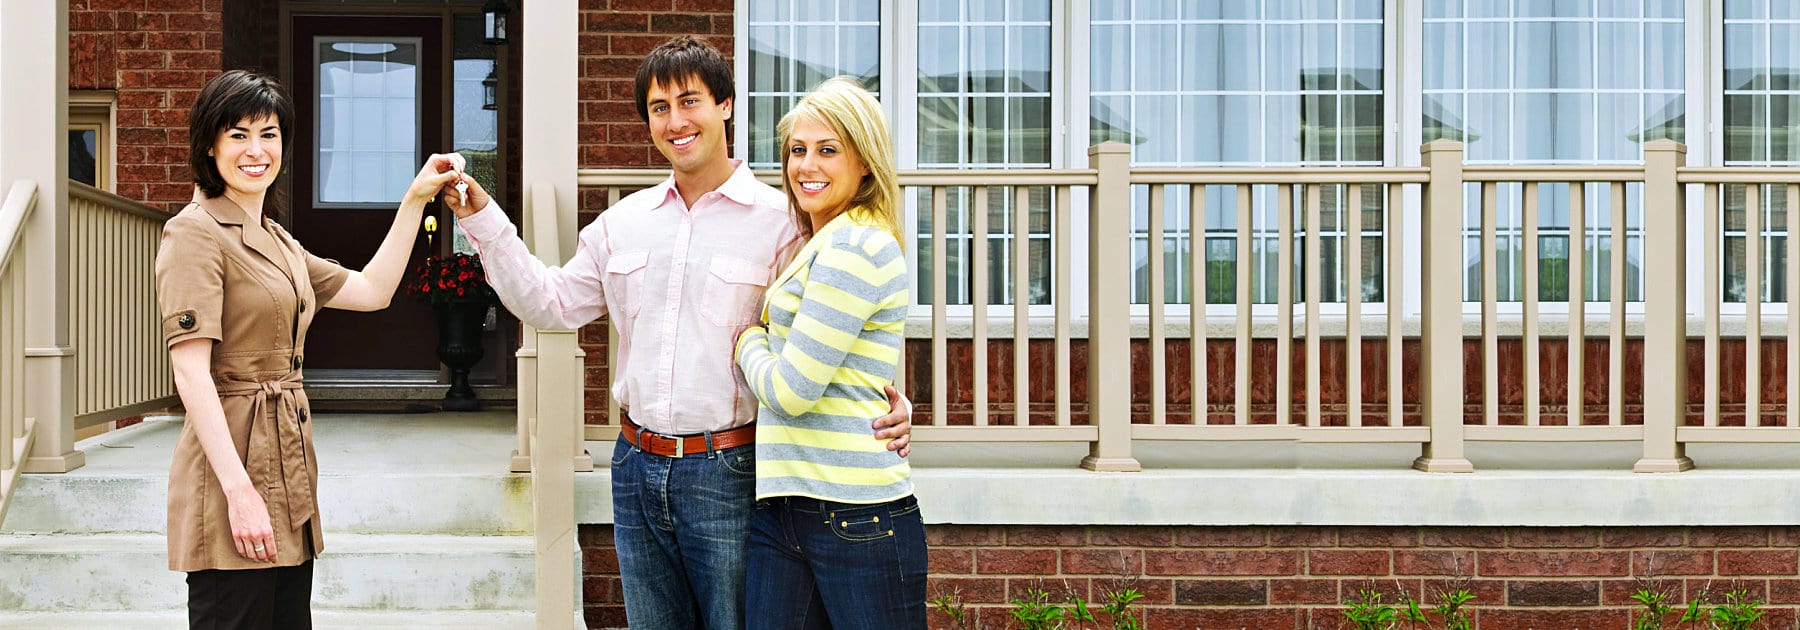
277	458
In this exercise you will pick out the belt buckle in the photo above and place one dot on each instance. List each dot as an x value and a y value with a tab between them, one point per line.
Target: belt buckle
678	445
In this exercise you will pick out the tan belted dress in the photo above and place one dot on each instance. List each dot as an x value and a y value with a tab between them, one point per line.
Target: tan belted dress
253	290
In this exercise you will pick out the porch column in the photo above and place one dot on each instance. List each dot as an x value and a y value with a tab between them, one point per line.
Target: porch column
1109	310
549	43
34	67
1441	336
1665	309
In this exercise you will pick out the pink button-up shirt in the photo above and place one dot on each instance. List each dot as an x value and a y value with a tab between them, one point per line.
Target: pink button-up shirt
680	283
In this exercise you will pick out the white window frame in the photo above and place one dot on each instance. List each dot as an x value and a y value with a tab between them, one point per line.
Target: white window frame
97	110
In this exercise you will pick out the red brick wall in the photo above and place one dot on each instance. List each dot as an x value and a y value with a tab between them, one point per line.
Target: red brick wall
615	36
157	54
1294	578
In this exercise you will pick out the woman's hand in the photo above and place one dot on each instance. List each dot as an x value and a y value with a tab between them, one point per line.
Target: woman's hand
441	170
250	528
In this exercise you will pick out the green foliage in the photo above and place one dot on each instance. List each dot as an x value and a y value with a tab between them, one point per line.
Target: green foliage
1740	611
1656	607
1366	611
1118	605
1450	608
1037	612
951	605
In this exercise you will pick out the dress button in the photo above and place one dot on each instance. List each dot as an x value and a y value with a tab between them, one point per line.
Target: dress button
303	415
186	321
303	306
296	363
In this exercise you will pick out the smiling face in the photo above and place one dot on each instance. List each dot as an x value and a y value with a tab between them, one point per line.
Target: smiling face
823	170
248	156
688	126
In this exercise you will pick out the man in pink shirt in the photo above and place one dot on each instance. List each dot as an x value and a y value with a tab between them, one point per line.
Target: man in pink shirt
681	268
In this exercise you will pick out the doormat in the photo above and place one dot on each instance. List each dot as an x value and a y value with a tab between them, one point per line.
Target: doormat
371	406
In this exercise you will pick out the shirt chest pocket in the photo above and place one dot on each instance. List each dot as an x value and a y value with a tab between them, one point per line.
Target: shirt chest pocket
625	282
734	290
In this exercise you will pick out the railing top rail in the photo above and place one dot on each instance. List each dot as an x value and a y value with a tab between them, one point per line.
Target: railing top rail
1260	175
78	190
1737	175
1571	173
20	199
645	177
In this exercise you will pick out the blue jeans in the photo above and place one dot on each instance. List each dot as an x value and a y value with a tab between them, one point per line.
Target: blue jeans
679	525
843	566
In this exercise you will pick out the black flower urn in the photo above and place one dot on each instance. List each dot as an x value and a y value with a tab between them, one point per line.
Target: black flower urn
459	347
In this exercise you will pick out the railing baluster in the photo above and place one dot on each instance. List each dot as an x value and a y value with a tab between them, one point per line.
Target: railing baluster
1490	312
1062	299
940	294
1198	399
1245	218
1533	317
1616	374
1752	305
1159	388
1394	244
1577	298
1712	239
1021	306
978	305
1353	312
1313	254
1284	301
1793	297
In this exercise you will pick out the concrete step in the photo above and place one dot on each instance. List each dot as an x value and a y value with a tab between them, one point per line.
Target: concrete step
323	619
129	572
383	503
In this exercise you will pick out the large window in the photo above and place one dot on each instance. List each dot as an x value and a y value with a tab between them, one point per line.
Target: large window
984	101
368	112
1762	117
475	110
1534	81
1243	84
794	46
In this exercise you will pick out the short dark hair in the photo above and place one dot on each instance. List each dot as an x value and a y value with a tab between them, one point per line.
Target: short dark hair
677	61
227	99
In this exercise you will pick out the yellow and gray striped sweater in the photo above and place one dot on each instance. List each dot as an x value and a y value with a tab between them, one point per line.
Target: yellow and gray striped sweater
836	325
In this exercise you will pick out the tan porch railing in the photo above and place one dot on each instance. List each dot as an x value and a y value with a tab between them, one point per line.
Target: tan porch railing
15	429
1448	329
120	365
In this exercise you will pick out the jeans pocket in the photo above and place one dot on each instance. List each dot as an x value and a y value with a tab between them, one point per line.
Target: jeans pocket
741	463
622	451
861	524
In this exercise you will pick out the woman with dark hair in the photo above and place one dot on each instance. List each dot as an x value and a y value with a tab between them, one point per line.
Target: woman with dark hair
237	294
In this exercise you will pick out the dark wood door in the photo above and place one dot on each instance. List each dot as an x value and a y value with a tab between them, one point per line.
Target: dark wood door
368	102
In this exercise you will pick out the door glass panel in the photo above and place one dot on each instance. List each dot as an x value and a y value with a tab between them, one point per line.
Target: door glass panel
475	109
368	118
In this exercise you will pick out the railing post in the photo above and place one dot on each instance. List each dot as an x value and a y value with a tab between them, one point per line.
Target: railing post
32	122
1665	308
1441	336
1109	310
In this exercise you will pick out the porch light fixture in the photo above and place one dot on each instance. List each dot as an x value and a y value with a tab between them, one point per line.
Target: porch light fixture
494	22
489	87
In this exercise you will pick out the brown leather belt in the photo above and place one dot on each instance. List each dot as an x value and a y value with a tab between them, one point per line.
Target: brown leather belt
683	445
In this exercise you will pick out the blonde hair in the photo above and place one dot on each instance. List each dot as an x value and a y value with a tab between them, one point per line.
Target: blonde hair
857	118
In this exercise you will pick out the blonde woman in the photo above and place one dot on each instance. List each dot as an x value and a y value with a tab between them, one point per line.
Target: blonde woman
836	540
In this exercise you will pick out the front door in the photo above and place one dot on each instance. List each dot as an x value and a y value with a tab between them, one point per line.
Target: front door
368	97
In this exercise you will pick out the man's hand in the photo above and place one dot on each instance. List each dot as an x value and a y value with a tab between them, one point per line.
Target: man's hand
897	424
478	198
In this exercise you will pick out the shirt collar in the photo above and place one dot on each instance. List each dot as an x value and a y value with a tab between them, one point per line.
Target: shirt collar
223	210
740	187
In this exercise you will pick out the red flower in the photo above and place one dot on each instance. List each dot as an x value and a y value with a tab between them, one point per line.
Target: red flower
458	277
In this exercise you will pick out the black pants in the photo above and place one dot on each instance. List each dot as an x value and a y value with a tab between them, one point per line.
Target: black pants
251	599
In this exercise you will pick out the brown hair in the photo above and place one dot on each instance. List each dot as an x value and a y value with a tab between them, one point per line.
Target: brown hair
679	60
227	99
